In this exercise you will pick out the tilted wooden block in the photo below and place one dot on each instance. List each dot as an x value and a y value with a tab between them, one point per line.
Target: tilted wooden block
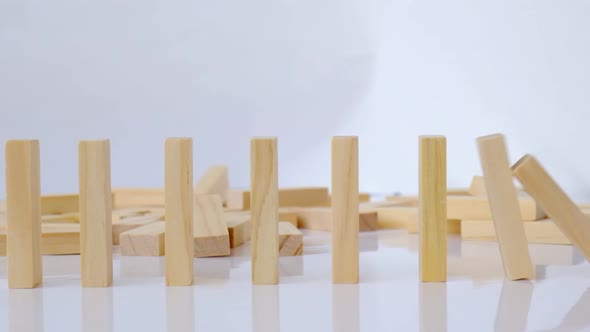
211	237
320	218
478	207
503	203
303	197
23	214
127	224
541	231
560	208
148	240
54	204
290	240
215	181
238	226
56	239
135	197
432	209
478	186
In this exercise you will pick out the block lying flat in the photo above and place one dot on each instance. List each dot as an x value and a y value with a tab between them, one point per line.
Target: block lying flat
238	227
215	181
146	240
478	207
128	224
395	217
210	234
560	208
304	196
453	225
53	204
134	197
542	231
56	239
290	240
320	218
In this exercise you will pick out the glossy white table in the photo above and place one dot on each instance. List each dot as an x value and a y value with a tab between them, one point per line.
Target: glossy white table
389	297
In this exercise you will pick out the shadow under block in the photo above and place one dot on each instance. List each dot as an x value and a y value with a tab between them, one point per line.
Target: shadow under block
345	210
211	237
146	240
320	218
127	224
23	214
505	209
179	245
290	240
478	208
432	209
264	211
134	197
56	239
303	196
238	227
96	235
540	232
560	208
215	181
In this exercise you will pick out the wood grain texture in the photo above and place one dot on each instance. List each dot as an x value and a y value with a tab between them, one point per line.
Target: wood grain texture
320	218
478	208
214	181
96	232
345	210
560	208
127	224
264	211
238	227
148	240
56	239
23	214
432	209
290	240
504	206
179	212
211	237
540	232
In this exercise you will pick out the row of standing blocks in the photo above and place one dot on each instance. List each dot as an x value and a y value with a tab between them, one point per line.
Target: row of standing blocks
24	225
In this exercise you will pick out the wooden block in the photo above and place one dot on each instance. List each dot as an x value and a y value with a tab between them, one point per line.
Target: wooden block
56	239
127	224
215	181
238	199
71	217
288	197
560	208
55	204
264	211
432	210
409	201
288	216
96	232
478	207
290	240
477	187
320	218
210	232
136	197
23	214
179	212
146	240
453	225
345	210
395	217
542	231
458	192
364	197
503	203
238	227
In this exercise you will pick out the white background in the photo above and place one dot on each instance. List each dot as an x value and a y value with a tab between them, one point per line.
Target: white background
221	71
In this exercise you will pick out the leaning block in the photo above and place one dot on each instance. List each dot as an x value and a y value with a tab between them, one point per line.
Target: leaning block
127	224
23	214
541	231
146	240
238	227
478	208
320	219
290	240
55	204
560	208
215	181
210	232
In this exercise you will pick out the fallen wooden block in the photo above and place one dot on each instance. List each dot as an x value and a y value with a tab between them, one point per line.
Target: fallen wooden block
288	216
128	224
453	225
290	240
215	181
302	197
320	218
541	231
395	217
56	204
210	233
478	207
148	240
135	197
72	217
56	239
238	226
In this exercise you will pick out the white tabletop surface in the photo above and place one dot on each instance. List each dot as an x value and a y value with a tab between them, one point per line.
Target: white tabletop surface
388	298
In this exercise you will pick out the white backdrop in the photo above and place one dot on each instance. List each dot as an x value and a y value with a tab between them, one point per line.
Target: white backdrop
221	71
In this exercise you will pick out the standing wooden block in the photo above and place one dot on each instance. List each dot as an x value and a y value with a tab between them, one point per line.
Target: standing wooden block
433	208
290	240
264	211
96	231
209	229
215	181
179	212
146	240
345	210
503	202
23	205
570	219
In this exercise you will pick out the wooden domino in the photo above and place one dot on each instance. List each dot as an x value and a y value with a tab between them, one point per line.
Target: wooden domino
478	207
432	209
560	208
58	204
215	181
413	225
136	197
96	235
147	240
320	218
179	212
345	210
288	197
56	239
23	214
238	226
543	231
127	224
290	240
211	237
264	203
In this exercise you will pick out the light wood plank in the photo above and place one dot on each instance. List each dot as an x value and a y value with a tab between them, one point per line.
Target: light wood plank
148	240
395	217
135	197
23	214
432	209
211	237
345	210
238	226
290	240
264	211
56	239
478	207
179	248
413	225
96	234
127	224
503	202
54	204
320	218
560	208
540	232
288	197
215	181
